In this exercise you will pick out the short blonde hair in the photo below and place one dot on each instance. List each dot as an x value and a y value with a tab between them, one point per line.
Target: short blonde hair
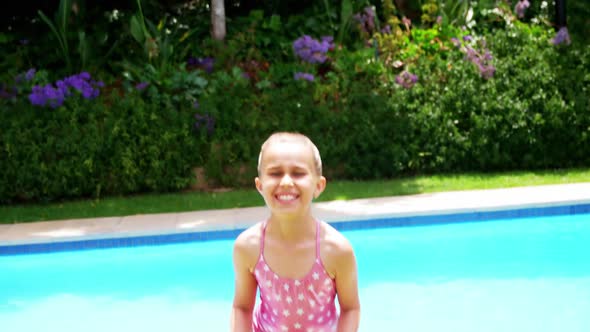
292	137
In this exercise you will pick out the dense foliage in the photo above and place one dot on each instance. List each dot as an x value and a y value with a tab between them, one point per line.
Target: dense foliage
140	98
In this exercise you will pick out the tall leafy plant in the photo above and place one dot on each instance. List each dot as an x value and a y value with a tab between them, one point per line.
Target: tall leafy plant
456	12
59	29
156	43
139	30
345	17
79	50
346	11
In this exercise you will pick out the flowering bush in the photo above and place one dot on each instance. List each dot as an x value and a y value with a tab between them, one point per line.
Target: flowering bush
91	144
312	50
477	53
406	79
55	96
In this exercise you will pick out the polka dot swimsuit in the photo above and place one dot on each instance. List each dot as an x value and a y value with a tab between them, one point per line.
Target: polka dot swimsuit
292	305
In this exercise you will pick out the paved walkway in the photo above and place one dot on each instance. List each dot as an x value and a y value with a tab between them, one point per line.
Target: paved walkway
361	209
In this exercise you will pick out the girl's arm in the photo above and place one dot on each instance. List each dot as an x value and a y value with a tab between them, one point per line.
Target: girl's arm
347	289
245	288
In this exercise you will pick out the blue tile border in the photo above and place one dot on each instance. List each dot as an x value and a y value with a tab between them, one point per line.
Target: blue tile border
406	221
479	216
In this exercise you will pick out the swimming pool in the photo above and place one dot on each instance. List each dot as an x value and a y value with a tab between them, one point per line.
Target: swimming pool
524	274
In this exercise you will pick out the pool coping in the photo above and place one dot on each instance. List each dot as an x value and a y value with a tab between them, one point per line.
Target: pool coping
410	210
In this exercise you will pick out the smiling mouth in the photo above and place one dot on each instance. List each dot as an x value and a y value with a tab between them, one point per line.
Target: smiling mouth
286	197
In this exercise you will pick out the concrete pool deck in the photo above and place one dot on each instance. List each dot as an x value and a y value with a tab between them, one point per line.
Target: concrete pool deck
335	211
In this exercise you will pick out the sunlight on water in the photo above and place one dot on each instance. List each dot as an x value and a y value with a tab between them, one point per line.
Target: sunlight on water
154	313
523	305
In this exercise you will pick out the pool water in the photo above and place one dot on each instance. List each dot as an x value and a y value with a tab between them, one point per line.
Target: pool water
530	274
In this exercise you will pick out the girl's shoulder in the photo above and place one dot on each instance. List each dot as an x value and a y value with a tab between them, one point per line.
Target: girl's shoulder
252	231
335	249
333	239
247	245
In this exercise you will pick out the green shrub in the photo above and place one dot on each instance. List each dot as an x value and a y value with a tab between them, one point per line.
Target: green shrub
88	148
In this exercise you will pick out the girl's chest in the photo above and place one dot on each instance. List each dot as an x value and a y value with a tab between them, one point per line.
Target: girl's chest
290	263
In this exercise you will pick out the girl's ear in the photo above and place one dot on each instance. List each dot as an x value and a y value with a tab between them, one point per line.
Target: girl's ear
319	187
258	184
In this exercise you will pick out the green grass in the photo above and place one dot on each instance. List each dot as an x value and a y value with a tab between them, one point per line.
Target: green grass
338	190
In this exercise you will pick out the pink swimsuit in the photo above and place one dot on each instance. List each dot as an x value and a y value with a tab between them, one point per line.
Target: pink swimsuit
305	304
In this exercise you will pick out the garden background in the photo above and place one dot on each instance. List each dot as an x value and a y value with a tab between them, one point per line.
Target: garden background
102	98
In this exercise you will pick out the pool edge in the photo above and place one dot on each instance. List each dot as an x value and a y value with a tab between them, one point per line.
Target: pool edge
399	220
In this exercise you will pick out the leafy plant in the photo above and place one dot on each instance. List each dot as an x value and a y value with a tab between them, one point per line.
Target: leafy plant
456	12
154	40
79	48
60	30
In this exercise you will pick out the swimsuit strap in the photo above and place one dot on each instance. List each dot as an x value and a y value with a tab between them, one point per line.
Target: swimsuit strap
317	239
263	231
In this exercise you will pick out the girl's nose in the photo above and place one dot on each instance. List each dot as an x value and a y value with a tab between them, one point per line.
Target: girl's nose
286	180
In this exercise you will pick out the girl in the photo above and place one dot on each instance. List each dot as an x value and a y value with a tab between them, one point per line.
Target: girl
299	264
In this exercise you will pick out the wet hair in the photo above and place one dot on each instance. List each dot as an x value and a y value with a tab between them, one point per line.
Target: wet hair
292	137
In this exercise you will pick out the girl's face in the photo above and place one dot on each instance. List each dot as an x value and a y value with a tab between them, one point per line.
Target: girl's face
288	180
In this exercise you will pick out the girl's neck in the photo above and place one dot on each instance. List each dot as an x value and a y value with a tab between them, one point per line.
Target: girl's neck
291	228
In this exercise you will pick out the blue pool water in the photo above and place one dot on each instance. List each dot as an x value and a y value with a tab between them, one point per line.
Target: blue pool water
529	274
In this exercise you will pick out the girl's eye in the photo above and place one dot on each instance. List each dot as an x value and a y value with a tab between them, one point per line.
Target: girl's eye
295	174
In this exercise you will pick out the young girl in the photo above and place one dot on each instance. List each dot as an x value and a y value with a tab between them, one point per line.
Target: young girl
299	264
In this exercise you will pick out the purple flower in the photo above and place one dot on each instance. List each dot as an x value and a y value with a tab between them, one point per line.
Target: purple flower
406	79
304	76
561	37
54	96
467	38
521	7
62	86
206	64
471	55
370	13
456	42
486	70
42	96
30	74
482	60
366	20
407	22
312	50
84	76
141	86
196	104
328	41
83	84
37	96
